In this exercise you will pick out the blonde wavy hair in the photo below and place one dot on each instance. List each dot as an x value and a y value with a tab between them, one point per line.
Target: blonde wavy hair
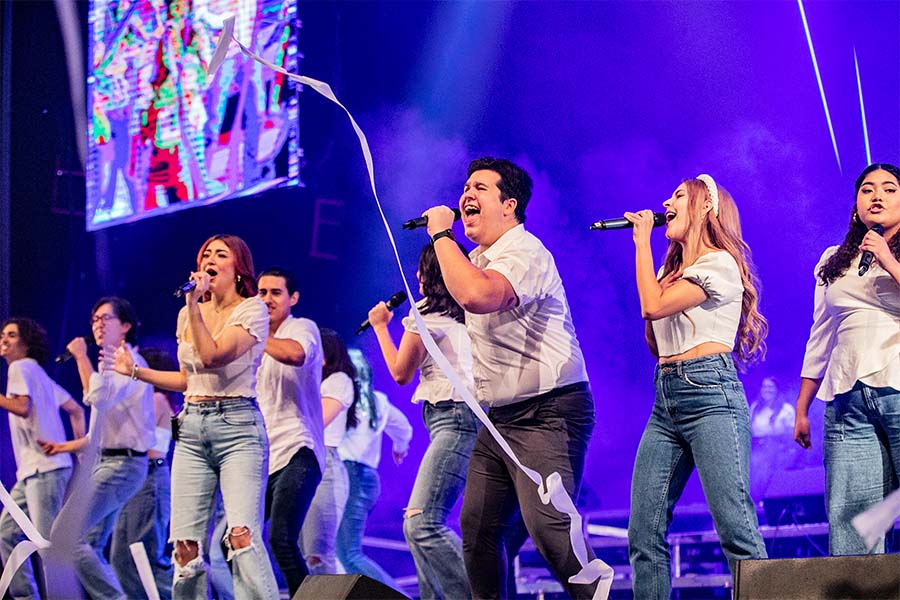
722	232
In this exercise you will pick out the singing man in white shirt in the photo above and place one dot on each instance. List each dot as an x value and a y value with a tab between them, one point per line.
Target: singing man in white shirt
529	371
123	419
33	401
289	379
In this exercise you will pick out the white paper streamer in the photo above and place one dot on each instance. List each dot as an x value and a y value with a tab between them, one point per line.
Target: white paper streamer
875	522
551	491
139	554
23	549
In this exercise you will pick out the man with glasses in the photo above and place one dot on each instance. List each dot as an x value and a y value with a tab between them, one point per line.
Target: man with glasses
123	425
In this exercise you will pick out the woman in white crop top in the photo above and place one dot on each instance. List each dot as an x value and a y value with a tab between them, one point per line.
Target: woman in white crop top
452	428
700	308
852	359
220	438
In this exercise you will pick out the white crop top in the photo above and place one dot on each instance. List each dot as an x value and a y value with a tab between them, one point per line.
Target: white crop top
237	378
716	319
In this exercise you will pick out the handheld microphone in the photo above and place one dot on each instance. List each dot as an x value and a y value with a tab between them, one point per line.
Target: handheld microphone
423	221
392	303
659	219
66	355
184	288
63	357
866	261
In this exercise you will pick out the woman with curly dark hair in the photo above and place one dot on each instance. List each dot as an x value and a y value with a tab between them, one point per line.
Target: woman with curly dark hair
436	548
852	359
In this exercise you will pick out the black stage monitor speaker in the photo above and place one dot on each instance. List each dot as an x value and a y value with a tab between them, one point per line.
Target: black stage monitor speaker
345	587
820	578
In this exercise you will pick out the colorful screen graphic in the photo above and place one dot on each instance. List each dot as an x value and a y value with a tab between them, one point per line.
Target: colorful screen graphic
162	134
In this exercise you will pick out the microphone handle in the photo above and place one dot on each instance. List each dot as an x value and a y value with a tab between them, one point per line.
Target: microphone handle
65	355
184	288
865	261
659	219
392	303
423	221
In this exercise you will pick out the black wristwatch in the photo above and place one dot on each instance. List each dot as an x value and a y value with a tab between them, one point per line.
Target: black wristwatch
447	233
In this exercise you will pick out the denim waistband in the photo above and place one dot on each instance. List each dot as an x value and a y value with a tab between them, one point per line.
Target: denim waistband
723	360
219	406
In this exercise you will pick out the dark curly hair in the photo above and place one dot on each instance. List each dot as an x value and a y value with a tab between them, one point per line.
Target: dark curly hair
515	182
838	263
437	298
337	359
33	336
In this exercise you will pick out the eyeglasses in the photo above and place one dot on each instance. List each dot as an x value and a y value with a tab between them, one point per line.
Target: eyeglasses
105	318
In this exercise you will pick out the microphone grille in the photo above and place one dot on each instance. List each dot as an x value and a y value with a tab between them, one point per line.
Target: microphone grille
397	299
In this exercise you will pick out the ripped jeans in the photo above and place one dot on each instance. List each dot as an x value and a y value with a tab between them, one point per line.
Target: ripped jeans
221	444
435	546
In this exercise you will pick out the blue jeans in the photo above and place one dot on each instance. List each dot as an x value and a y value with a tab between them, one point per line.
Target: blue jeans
219	573
221	444
145	519
862	457
700	418
114	480
318	536
289	494
365	487
435	547
40	496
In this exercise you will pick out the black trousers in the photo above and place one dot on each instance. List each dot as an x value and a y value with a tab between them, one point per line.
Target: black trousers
548	433
288	495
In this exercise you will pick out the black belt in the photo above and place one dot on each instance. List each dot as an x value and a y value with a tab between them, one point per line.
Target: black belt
121	452
157	462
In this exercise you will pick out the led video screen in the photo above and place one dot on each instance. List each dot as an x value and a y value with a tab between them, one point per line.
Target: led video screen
162	134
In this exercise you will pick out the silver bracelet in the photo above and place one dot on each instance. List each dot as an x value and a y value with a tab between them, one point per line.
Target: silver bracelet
134	369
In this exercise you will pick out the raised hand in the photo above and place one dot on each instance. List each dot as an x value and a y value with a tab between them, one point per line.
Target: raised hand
118	359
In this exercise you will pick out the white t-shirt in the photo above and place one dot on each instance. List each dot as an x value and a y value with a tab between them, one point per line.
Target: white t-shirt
363	444
453	340
289	397
27	378
855	334
123	408
716	319
340	387
530	349
237	378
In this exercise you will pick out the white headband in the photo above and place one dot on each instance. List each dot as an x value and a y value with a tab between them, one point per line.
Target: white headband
713	191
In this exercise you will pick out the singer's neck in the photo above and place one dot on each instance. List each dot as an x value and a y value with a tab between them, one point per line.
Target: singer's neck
224	301
694	247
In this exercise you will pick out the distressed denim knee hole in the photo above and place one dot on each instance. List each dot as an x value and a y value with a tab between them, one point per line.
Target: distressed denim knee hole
192	555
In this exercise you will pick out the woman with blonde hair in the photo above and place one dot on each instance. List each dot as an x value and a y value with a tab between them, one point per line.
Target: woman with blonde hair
701	309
